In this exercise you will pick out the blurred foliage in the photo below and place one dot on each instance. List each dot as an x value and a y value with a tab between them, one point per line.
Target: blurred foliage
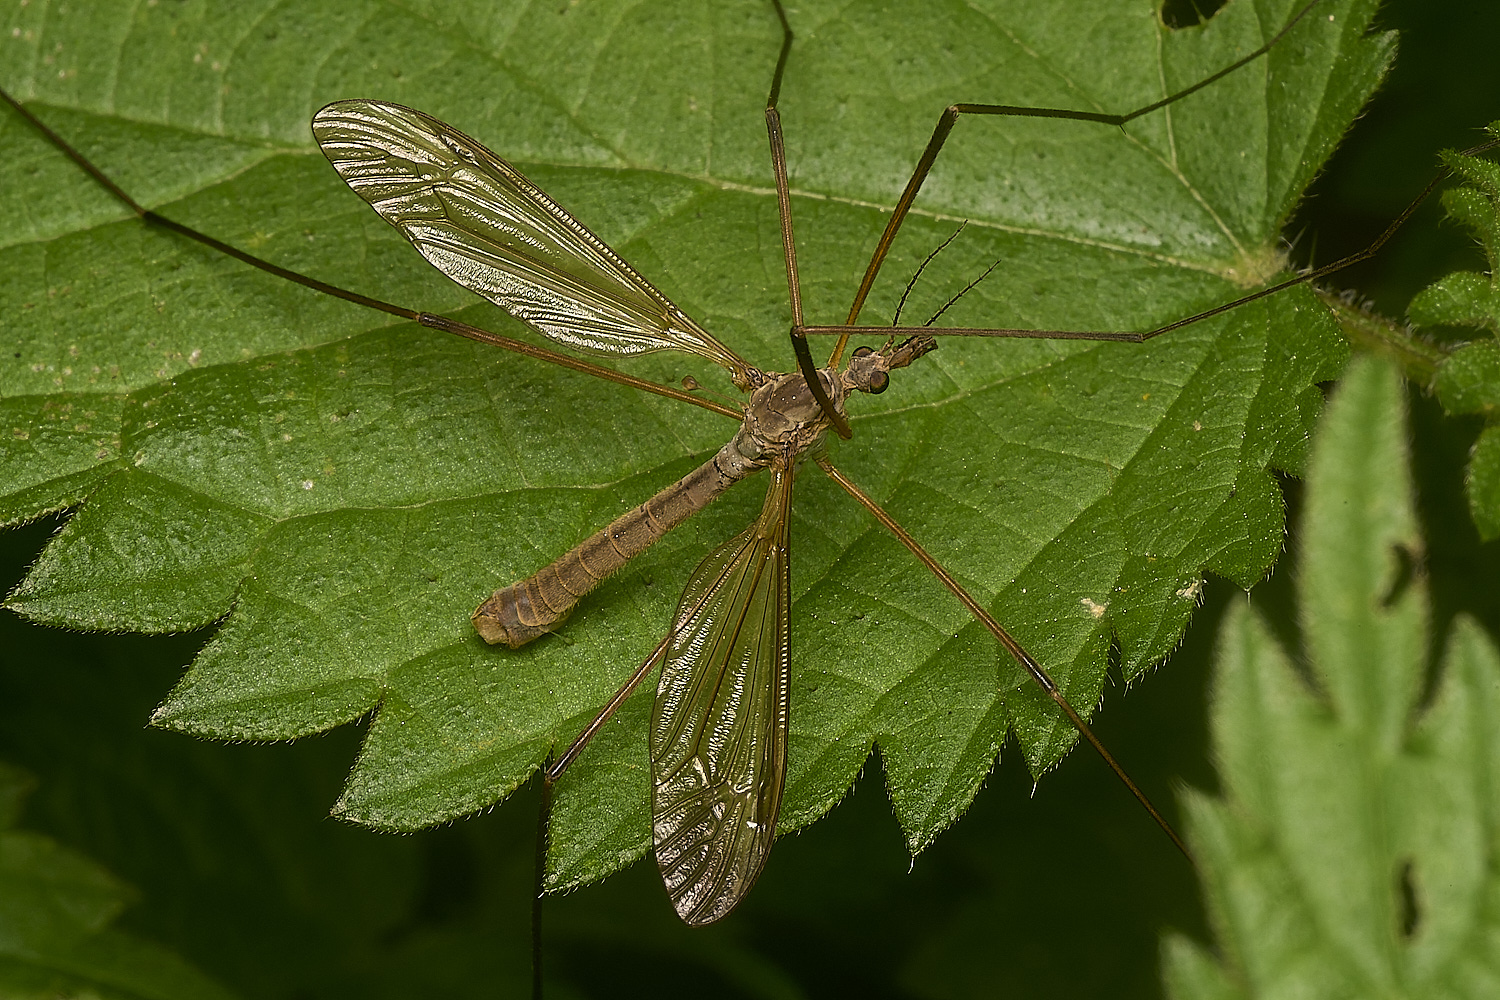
1468	381
1353	852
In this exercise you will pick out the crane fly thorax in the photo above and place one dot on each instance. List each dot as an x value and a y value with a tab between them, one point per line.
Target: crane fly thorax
784	418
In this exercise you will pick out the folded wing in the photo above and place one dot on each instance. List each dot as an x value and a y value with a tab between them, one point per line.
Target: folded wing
719	729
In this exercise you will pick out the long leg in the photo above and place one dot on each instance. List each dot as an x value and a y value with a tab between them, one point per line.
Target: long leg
1037	672
551	772
843	332
950	117
788	244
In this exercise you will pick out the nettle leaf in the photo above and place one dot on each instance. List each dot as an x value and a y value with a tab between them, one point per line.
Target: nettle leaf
1468	298
1468	381
342	490
1354	853
56	911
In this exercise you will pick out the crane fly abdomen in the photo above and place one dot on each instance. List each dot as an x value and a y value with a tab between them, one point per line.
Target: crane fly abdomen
530	608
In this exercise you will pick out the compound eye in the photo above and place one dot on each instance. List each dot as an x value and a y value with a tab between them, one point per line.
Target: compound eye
863	352
878	382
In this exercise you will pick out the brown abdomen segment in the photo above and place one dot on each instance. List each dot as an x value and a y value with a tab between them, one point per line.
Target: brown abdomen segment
531	608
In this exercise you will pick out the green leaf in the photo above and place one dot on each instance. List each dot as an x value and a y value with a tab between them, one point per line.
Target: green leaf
1483	483
1354	852
1468	381
342	490
56	908
1463	298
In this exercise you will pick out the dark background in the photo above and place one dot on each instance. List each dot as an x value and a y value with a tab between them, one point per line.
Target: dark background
239	869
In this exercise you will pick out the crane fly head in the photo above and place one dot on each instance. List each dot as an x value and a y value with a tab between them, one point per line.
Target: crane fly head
869	369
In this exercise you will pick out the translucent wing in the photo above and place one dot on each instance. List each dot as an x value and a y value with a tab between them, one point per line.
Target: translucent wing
719	729
476	219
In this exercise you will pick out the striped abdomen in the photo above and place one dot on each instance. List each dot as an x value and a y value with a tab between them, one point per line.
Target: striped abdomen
531	608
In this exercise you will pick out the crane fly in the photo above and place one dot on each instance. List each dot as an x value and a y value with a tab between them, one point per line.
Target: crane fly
718	733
